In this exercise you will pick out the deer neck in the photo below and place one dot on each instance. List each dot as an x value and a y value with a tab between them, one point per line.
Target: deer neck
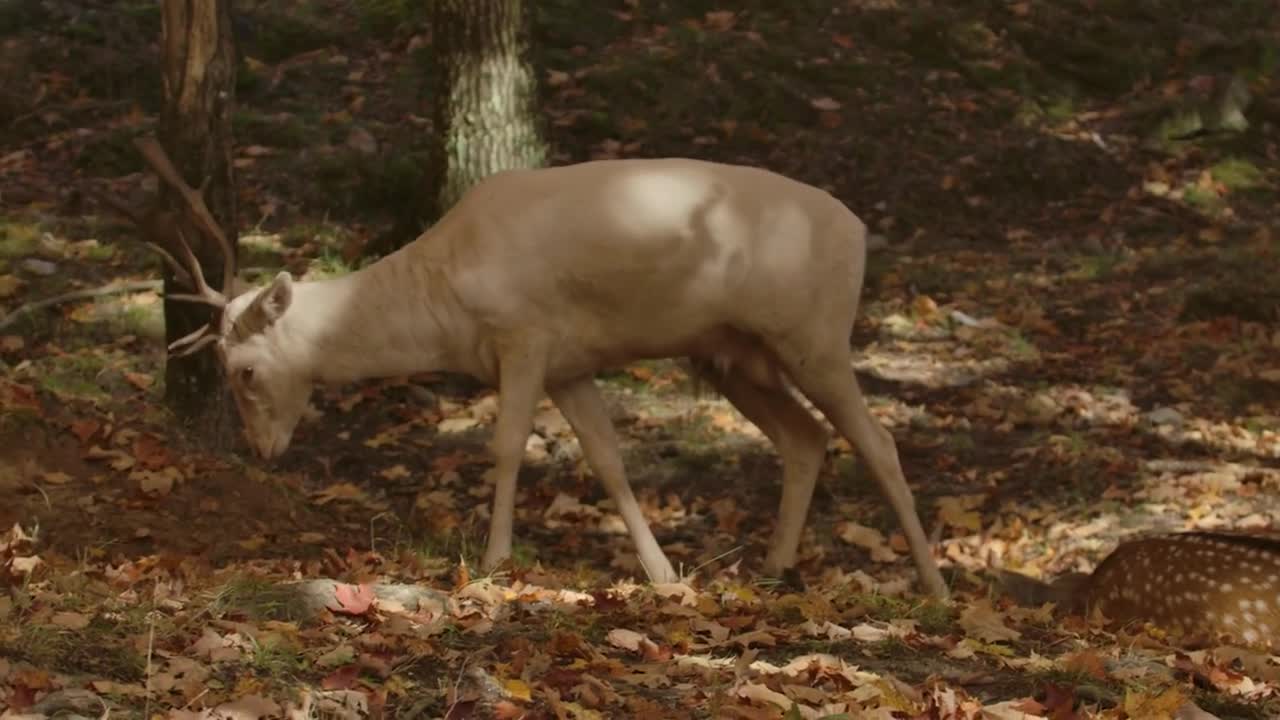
386	320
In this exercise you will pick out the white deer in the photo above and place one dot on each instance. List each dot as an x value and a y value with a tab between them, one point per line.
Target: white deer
538	279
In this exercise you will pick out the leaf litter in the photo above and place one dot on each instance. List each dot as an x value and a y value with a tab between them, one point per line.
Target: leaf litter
1056	373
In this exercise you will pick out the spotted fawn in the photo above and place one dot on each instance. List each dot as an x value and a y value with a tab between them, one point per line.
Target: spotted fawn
1193	585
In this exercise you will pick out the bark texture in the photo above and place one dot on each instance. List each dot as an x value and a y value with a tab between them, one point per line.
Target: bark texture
486	94
198	73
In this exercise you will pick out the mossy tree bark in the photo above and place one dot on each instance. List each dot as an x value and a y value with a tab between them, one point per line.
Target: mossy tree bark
198	72
486	109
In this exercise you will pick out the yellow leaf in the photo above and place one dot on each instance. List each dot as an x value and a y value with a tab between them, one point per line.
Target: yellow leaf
1158	707
9	284
518	689
395	472
339	491
56	478
381	439
953	512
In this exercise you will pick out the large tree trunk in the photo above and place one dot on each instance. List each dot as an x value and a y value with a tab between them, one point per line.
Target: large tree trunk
198	59
484	95
486	98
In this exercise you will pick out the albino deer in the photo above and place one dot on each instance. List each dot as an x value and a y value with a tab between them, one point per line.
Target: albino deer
538	279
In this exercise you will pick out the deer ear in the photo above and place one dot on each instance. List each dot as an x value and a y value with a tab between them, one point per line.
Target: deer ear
276	298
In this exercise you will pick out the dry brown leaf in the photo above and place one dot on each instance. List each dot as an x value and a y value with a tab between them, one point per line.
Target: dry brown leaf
626	639
982	622
70	620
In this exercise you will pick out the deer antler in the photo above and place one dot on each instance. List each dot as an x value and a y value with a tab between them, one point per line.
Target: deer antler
188	271
155	156
146	224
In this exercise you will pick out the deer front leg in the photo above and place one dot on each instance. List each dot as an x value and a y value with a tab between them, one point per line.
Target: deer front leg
520	380
580	403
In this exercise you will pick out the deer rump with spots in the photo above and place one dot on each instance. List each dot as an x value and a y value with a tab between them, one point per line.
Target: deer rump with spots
538	279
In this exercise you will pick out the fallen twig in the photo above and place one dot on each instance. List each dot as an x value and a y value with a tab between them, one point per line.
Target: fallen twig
136	286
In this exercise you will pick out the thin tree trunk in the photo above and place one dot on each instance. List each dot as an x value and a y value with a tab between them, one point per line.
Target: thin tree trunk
198	59
486	99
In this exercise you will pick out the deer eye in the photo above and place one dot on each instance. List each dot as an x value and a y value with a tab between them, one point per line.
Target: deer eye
246	374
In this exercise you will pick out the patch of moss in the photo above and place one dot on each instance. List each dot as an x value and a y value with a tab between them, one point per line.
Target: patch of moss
18	239
74	375
277	654
1238	174
934	617
1096	267
324	235
103	648
327	265
258	599
1223	706
142	320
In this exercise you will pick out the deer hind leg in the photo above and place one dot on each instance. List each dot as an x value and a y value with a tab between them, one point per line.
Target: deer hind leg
583	407
520	379
800	441
827	379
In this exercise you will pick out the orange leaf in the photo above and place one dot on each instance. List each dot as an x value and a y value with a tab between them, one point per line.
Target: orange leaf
142	381
341	679
507	710
85	429
150	452
353	599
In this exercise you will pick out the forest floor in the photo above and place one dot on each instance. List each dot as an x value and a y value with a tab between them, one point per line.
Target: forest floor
1070	325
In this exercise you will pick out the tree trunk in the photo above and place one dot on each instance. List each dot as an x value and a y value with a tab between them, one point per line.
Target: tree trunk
486	93
198	64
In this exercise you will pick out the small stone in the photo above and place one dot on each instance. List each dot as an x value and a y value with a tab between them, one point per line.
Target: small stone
1164	416
36	266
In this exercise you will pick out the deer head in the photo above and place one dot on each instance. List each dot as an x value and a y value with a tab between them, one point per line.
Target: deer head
270	395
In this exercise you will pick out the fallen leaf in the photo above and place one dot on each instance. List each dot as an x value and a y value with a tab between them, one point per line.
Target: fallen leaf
456	425
868	538
9	285
339	491
341	679
142	381
342	655
353	599
395	472
982	622
518	689
56	478
85	429
626	639
70	620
